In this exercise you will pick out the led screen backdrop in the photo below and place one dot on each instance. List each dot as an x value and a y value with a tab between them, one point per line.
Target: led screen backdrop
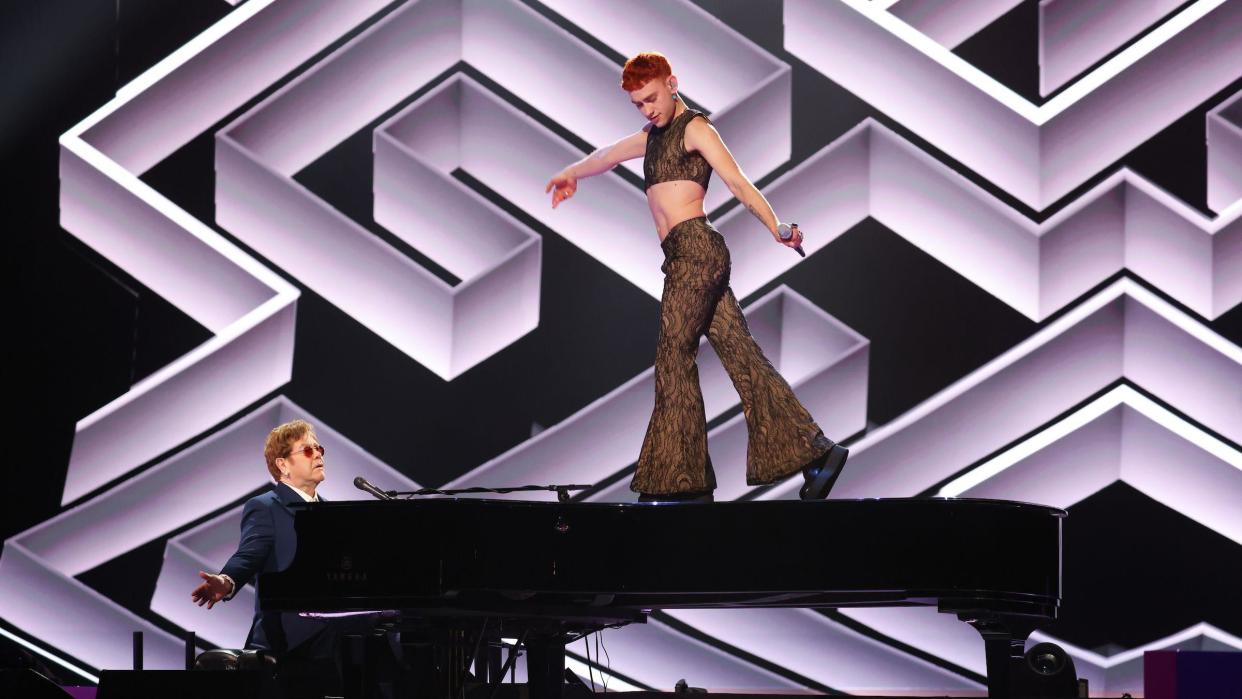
1023	277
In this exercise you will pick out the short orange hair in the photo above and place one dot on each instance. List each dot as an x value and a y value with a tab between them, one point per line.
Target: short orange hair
281	440
646	66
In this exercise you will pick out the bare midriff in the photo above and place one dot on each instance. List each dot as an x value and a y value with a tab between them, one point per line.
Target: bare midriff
673	202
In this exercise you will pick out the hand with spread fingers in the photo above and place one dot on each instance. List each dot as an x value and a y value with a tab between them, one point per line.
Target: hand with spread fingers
564	185
213	589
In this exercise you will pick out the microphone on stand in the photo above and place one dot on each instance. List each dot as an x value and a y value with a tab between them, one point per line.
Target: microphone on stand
363	484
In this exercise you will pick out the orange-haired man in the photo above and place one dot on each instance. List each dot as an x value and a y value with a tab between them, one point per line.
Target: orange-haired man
680	149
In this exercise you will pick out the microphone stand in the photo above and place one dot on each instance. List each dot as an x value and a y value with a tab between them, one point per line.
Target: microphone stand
562	491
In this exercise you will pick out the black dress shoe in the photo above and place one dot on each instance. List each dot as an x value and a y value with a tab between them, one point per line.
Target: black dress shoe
822	473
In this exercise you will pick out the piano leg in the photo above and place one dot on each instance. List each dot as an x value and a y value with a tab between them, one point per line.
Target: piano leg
1004	643
486	659
545	665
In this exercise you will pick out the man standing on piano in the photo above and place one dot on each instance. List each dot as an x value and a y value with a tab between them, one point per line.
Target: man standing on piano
268	543
680	149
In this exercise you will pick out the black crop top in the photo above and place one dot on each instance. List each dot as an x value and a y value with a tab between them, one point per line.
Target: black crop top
667	160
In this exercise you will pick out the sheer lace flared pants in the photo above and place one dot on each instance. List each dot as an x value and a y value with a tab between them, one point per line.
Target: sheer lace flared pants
697	300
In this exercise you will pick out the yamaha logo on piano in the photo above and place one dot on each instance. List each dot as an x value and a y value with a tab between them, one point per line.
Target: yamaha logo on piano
346	573
346	576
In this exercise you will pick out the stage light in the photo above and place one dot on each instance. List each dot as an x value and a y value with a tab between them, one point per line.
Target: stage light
1051	673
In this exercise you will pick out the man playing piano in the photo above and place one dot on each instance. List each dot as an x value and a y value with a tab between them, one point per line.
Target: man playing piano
680	149
268	543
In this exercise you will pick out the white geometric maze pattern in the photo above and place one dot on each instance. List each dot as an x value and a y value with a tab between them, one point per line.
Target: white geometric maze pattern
446	328
1124	332
1121	435
1120	381
1123	222
1037	153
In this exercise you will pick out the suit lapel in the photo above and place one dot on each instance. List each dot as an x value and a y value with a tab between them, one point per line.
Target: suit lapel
286	495
284	492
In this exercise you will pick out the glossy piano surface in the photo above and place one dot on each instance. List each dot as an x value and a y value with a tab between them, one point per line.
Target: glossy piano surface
507	555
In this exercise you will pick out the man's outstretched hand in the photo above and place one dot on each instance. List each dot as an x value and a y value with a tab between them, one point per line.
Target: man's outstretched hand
213	589
565	186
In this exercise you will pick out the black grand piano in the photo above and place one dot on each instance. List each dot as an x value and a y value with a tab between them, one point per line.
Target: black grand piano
548	572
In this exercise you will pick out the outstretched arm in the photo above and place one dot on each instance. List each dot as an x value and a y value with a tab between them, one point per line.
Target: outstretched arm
214	588
701	136
257	541
602	160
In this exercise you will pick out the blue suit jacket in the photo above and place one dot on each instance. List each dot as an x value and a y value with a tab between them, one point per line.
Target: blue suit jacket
268	543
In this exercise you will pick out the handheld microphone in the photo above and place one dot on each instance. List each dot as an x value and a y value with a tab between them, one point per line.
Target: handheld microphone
786	232
363	484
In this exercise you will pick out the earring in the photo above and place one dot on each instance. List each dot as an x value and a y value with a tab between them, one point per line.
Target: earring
675	97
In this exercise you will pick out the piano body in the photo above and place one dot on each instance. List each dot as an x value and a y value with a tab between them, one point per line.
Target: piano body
549	572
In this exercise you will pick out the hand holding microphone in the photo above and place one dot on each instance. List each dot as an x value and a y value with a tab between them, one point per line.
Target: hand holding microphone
787	231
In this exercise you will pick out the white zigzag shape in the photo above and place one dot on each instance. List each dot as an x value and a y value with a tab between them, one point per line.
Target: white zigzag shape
1124	222
249	309
1036	153
1131	438
1122	332
1072	36
1120	436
